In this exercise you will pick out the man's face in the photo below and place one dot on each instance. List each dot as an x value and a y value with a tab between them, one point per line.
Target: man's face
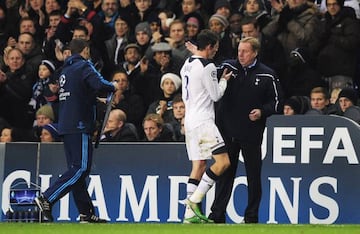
113	122
121	28
249	30
179	110
142	5
25	43
162	58
36	4
246	54
15	60
344	103
235	23
54	20
122	80
51	5
288	110
212	50
142	38
318	101
132	56
109	7
151	130
80	34
332	7
177	32
27	26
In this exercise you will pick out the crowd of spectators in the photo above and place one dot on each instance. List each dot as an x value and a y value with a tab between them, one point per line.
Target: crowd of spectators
314	47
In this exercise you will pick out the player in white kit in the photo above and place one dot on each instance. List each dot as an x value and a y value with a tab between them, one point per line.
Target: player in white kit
200	89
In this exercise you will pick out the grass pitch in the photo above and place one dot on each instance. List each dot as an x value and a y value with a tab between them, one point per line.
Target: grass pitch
152	228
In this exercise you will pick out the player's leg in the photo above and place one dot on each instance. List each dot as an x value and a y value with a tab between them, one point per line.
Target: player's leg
210	143
198	169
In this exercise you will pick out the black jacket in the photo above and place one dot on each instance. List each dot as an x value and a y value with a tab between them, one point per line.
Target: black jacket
255	87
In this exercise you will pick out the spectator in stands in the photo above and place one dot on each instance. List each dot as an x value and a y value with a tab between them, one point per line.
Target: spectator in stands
50	133
45	90
176	40
78	13
256	9
32	53
190	8
292	106
108	15
155	129
194	24
296	25
170	84
142	12
132	56
340	45
52	5
117	129
127	100
48	45
219	24
348	100
320	102
143	38
235	31
116	44
6	135
16	90
347	97
222	7
44	115
178	108
26	24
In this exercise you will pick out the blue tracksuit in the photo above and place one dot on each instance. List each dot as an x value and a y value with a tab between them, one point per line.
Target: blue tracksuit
79	83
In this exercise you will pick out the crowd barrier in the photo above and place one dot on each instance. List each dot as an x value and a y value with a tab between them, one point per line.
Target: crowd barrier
310	175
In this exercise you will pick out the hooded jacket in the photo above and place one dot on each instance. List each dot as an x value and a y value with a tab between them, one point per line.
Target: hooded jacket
79	83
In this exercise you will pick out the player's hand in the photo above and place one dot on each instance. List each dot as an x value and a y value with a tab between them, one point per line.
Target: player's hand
116	85
255	114
190	47
226	75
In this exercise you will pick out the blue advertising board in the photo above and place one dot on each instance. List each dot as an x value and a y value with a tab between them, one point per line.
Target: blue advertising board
310	171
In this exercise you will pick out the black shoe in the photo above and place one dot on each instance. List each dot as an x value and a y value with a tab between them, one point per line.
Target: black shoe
91	219
45	207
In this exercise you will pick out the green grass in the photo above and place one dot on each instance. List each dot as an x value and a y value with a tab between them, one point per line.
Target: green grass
151	228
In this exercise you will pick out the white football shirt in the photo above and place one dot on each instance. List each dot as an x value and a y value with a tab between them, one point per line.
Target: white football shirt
200	89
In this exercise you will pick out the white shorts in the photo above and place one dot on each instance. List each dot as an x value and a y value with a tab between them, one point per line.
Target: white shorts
202	141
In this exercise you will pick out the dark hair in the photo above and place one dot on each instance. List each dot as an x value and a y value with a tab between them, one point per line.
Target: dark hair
78	45
82	28
177	98
249	20
206	37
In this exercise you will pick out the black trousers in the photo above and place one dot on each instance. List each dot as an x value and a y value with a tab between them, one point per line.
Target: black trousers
224	186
